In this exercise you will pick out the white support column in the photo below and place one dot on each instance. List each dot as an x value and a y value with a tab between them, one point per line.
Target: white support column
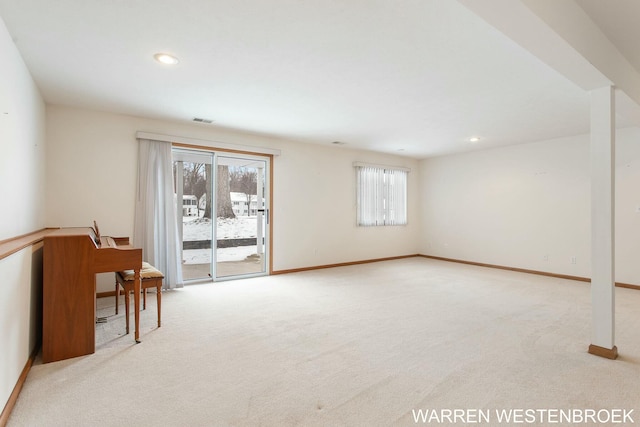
602	222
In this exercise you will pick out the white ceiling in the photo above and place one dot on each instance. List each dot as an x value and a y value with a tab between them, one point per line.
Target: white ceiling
620	21
410	77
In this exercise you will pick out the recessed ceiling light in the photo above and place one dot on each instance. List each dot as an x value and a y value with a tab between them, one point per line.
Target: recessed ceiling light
165	58
474	139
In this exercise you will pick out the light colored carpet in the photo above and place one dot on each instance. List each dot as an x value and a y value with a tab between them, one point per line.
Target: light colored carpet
352	346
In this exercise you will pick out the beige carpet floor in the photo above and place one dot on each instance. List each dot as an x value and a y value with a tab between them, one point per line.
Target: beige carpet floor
365	345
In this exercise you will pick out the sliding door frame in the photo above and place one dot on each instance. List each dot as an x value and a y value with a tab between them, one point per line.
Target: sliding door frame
213	149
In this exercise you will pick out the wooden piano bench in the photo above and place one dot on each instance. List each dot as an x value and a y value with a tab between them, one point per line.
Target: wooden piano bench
150	277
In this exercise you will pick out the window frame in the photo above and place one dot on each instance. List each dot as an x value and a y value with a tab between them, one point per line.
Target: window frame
381	195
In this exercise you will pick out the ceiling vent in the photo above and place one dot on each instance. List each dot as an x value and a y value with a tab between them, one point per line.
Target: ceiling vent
199	120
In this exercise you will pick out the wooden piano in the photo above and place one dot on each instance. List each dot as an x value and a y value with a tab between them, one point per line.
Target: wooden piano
72	257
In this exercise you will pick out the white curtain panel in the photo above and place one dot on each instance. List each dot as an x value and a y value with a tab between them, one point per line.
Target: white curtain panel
156	226
397	196
370	196
381	196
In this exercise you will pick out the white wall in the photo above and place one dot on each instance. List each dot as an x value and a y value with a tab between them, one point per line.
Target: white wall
528	206
315	209
21	210
92	172
628	206
21	144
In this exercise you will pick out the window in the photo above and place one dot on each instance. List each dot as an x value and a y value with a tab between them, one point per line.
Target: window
381	195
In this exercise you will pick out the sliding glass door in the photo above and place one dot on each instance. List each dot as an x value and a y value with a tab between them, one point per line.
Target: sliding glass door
242	216
194	183
224	203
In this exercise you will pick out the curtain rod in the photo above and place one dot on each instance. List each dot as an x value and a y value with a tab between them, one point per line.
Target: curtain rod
207	143
374	165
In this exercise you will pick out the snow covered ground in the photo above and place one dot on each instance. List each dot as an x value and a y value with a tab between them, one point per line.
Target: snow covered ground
195	228
203	256
228	228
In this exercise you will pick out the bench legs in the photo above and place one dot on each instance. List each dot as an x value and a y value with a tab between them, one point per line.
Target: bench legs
127	286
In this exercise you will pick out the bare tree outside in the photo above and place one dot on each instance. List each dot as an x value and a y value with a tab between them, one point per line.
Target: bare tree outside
223	192
244	180
195	181
207	192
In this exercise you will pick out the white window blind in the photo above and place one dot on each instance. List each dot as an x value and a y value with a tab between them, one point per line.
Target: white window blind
381	195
